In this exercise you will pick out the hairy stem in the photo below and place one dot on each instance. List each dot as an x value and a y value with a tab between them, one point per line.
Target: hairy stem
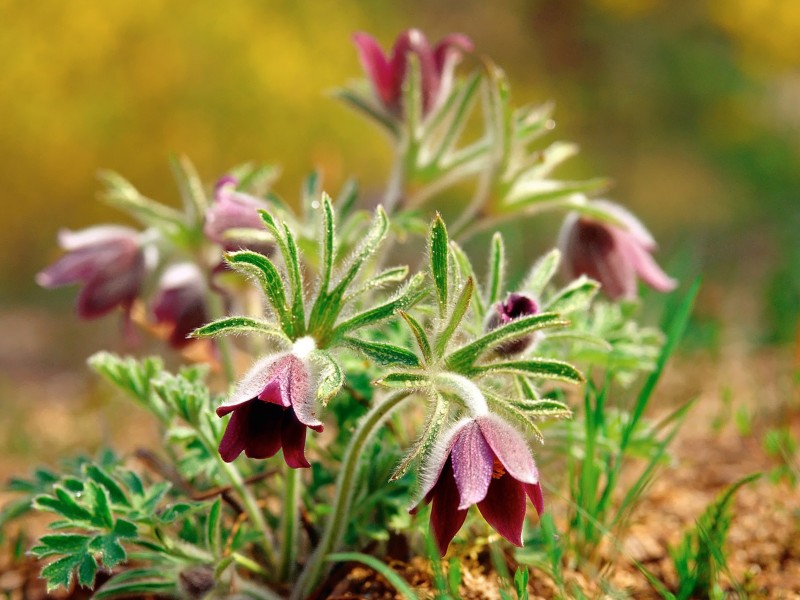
249	502
289	524
345	489
217	310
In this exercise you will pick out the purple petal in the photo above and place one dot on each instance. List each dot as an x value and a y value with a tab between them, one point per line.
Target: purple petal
472	461
262	431
293	440
232	443
431	469
446	517
117	284
272	394
534	492
377	68
510	448
504	508
592	248
181	302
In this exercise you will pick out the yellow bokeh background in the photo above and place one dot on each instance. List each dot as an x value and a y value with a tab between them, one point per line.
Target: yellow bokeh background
87	85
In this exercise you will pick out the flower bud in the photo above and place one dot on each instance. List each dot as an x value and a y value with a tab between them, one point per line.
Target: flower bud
108	260
515	306
483	461
272	408
613	255
196	582
180	302
388	72
231	211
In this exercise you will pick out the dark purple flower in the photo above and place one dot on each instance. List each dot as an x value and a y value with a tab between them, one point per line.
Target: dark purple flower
483	461
614	255
181	302
515	306
272	408
110	263
233	210
387	73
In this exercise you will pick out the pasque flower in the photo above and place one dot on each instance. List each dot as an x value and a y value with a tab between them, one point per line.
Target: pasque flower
181	302
613	254
387	72
233	210
272	408
516	305
109	261
483	461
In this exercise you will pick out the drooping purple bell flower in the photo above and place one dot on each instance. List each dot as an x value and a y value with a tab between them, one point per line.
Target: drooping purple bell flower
233	210
482	461
180	302
387	72
108	260
272	408
515	306
613	255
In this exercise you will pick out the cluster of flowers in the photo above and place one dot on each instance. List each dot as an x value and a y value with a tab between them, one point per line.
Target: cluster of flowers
481	459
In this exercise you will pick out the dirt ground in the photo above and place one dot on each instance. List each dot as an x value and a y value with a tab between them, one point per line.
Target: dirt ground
741	394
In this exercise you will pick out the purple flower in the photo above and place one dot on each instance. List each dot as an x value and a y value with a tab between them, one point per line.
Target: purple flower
234	210
272	408
483	461
613	255
515	306
108	260
181	302
387	73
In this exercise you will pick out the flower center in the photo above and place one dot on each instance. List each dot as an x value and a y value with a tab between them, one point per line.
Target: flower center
497	470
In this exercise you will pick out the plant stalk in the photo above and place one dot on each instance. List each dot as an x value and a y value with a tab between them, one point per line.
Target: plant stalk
289	524
345	489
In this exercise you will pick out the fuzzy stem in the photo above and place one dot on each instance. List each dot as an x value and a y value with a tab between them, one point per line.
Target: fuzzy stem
467	391
394	189
289	524
345	489
223	343
484	222
249	501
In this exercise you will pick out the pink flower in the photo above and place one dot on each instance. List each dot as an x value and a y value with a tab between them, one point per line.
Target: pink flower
483	461
181	302
110	263
233	210
515	306
387	73
614	255
272	408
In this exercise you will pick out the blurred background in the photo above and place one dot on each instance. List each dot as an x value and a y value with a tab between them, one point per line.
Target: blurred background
692	106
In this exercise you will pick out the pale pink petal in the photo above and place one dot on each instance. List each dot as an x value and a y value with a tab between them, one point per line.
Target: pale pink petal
251	385
431	469
472	465
648	270
510	448
628	222
92	236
